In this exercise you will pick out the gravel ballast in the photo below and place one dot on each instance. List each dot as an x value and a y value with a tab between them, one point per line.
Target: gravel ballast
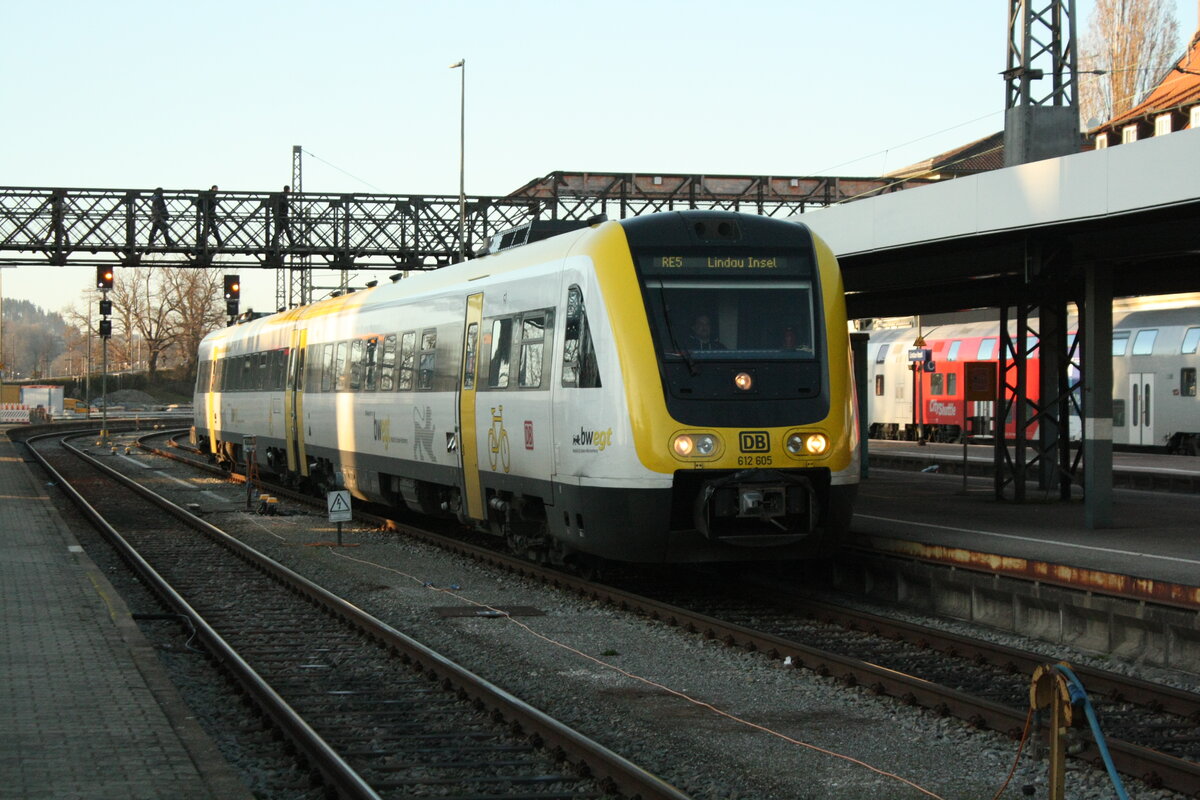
713	721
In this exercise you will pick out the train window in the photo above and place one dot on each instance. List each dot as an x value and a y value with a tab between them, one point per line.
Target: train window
881	356
987	349
202	377
279	360
1120	342
1118	413
246	374
696	320
327	368
501	354
358	355
952	353
370	365
533	335
408	345
341	363
951	383
314	360
262	380
428	359
469	361
1143	343
580	368
387	364
935	383
1187	381
297	372
879	384
1192	338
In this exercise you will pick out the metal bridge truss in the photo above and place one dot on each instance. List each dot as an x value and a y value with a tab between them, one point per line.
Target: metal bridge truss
82	227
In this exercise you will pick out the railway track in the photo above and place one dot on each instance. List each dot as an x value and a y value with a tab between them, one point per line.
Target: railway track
375	713
1153	731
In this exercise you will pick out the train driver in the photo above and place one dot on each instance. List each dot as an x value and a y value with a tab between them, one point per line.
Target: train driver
701	336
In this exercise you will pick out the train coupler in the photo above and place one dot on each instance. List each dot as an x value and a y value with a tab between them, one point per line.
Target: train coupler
756	507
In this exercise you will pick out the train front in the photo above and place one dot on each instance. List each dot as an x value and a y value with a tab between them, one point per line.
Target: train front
759	424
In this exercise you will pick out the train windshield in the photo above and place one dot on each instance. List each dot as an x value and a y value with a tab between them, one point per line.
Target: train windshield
704	320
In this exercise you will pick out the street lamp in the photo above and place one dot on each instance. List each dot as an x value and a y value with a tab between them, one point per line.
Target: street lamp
462	145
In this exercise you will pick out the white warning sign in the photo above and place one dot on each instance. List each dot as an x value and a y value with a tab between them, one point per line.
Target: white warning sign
338	505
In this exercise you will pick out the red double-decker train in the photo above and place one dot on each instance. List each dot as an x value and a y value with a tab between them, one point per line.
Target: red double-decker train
1155	359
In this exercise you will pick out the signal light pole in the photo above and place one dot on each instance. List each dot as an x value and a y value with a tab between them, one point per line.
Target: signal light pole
104	282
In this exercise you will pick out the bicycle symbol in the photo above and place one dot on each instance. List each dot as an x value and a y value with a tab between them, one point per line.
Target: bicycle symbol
498	439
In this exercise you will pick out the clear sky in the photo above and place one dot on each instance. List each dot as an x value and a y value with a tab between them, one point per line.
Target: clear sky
133	94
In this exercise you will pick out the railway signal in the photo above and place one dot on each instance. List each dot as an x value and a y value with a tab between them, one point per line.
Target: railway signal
105	328
233	294
104	278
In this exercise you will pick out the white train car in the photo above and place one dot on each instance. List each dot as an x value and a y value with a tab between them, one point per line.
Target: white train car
550	392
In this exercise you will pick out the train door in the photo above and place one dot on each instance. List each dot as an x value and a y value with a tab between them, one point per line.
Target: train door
214	393
468	446
293	405
1141	408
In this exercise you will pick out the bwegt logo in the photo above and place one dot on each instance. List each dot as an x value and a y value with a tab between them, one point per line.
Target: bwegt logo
598	439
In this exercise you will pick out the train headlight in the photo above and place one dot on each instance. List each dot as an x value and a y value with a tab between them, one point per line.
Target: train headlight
816	444
743	381
694	445
807	444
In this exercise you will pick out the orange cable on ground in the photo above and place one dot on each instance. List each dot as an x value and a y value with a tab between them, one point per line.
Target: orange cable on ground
1017	759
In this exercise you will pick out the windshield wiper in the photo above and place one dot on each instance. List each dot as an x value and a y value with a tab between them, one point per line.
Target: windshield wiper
693	370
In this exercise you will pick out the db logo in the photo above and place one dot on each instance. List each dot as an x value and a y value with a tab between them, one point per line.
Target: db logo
528	434
754	441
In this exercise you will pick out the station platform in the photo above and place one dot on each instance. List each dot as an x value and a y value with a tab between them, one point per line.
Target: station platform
914	502
1133	470
86	710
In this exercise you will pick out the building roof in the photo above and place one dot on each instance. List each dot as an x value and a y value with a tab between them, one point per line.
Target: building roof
1180	89
981	155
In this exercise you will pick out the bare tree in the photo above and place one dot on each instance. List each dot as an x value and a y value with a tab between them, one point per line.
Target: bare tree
83	324
194	298
1133	42
138	300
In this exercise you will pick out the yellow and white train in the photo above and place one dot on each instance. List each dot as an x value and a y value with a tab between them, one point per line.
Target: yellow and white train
668	388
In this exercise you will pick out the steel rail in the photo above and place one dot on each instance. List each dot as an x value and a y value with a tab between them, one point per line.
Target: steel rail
331	766
602	763
1157	769
1119	688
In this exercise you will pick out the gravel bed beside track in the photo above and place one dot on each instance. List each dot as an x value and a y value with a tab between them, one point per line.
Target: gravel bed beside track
260	758
691	746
